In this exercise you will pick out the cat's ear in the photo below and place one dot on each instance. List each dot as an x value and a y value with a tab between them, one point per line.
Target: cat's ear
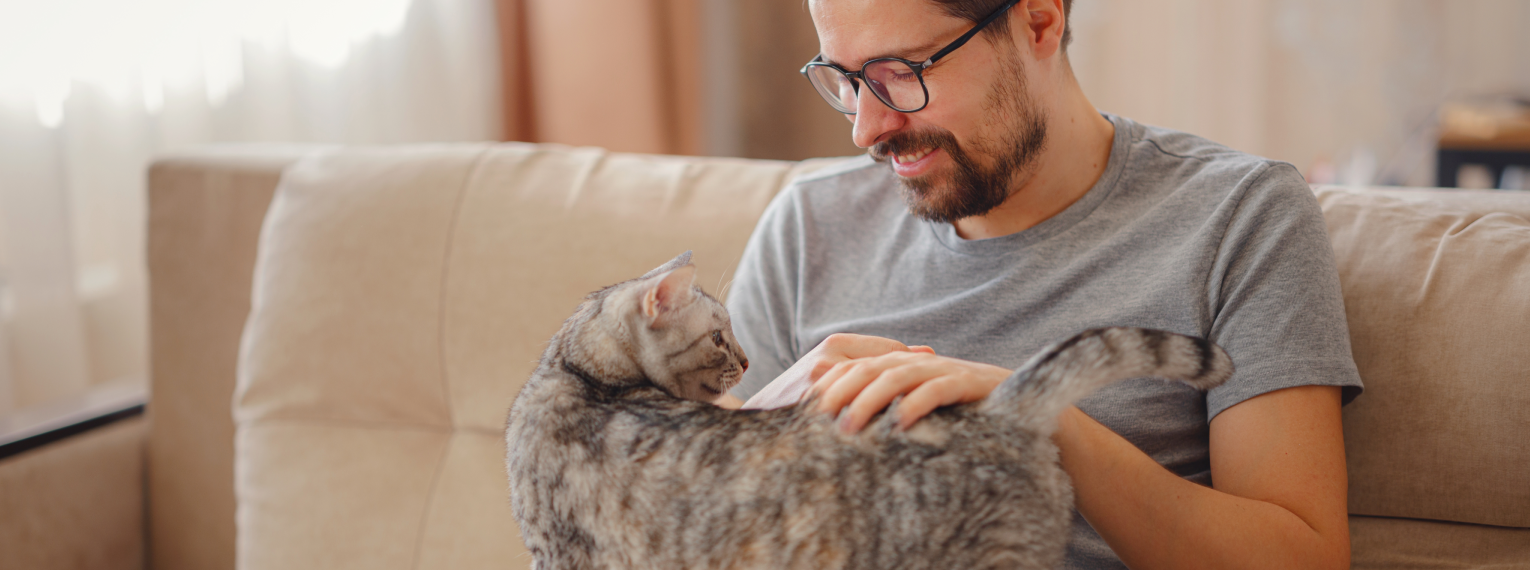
679	261
669	291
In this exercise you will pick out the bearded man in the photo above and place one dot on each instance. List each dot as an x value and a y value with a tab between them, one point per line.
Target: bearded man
999	211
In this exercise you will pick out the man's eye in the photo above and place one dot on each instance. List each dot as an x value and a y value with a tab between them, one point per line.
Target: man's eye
717	338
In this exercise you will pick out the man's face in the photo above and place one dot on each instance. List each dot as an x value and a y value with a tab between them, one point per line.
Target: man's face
958	156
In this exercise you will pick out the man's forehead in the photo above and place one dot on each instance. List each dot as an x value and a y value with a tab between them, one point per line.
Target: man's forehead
853	31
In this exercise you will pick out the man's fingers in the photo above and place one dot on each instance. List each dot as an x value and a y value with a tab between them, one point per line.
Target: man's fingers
921	401
823	365
865	386
844	381
886	387
841	347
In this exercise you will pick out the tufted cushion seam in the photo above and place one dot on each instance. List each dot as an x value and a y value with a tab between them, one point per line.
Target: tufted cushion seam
430	499
446	271
446	386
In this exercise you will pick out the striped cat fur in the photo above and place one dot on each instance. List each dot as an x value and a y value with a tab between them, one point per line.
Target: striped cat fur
616	460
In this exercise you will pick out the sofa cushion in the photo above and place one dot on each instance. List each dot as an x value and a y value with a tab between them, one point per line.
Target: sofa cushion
401	298
1379	543
1437	291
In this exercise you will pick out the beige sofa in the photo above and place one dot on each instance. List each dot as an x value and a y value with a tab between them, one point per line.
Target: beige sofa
401	295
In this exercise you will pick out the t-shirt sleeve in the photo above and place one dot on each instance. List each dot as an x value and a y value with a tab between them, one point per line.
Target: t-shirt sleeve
1279	311
762	300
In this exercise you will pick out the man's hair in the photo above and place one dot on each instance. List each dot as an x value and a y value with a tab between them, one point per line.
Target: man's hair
976	10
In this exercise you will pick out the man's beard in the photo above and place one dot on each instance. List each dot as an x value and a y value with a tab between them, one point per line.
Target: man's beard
973	190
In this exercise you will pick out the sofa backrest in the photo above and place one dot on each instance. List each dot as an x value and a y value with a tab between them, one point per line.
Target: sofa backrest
1437	290
401	298
403	294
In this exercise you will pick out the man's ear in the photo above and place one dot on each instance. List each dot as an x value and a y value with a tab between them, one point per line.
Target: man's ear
1044	22
669	291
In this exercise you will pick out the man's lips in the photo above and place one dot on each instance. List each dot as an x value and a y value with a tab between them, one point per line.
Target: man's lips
914	163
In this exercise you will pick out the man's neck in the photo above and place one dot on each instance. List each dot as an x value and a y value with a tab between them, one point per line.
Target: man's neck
1078	148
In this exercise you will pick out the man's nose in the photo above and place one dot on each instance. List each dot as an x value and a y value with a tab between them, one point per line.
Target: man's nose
873	119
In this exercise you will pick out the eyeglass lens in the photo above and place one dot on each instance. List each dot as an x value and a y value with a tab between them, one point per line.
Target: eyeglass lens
893	81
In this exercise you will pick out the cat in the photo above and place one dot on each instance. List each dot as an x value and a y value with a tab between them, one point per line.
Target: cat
617	459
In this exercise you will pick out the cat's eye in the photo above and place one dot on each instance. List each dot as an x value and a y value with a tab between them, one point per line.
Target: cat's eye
717	338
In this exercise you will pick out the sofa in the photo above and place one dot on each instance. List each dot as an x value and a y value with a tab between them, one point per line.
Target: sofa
337	334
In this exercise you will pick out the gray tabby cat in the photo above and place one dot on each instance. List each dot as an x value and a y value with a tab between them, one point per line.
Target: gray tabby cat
617	460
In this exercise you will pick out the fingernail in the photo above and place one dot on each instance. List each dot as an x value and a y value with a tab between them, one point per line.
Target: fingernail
845	421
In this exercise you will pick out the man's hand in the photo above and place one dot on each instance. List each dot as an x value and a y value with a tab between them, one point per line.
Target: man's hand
926	382
790	386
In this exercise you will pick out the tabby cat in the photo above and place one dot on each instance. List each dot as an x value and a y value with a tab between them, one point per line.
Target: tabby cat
617	460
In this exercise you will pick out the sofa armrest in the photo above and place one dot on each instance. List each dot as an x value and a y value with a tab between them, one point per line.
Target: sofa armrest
72	485
205	211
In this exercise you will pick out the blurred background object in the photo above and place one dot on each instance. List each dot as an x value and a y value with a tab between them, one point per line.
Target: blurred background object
1350	91
1485	144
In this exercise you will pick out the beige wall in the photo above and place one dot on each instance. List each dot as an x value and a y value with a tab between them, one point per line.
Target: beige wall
1303	80
1296	80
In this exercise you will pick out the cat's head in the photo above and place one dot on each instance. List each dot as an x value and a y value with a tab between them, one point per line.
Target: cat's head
664	328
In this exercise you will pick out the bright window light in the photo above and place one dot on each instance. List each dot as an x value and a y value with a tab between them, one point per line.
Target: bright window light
137	49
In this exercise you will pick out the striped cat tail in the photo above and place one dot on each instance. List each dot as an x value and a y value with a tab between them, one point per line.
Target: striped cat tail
1066	372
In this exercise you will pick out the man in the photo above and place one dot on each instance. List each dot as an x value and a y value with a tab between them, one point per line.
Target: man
1003	212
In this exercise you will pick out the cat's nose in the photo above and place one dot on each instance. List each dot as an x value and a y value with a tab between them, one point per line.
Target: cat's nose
744	362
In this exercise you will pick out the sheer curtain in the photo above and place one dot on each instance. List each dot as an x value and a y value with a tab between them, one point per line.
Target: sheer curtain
91	90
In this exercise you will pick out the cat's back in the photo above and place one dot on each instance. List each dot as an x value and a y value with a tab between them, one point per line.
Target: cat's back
713	488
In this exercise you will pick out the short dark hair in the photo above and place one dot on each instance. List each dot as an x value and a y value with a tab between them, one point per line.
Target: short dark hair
976	10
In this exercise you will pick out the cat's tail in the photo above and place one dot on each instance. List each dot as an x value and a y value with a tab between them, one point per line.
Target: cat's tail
1063	373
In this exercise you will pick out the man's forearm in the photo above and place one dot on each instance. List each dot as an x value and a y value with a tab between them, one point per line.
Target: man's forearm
1152	518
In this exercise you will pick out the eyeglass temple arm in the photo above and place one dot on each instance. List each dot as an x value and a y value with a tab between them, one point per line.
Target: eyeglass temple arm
968	36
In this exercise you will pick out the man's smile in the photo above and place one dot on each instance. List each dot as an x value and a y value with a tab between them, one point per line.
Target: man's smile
915	163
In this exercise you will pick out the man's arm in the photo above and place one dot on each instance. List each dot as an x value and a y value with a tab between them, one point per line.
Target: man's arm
1279	484
1278	498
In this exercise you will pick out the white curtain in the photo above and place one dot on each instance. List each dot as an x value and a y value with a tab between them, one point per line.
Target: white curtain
1347	90
91	90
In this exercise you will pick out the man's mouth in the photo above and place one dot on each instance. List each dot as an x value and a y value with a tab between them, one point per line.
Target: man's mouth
916	163
912	157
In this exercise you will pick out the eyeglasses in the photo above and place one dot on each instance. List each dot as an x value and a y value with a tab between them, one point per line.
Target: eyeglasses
898	83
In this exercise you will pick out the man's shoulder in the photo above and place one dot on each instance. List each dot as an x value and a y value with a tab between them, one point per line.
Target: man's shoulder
836	170
848	177
1188	162
854	188
1187	146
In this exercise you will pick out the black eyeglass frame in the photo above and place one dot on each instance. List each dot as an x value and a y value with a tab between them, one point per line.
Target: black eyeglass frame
856	77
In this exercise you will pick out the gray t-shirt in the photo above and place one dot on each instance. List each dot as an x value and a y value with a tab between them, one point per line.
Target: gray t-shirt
1179	234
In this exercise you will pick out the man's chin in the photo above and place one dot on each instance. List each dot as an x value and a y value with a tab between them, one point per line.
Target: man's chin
932	182
944	194
928	202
